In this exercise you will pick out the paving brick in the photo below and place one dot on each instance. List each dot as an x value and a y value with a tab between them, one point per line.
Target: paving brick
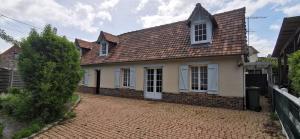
112	117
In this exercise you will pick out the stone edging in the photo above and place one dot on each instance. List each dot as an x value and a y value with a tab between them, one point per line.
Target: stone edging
48	126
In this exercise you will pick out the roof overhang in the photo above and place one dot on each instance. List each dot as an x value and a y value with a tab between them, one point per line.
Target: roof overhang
289	28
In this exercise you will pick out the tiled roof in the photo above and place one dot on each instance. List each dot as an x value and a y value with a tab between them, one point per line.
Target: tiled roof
84	44
7	58
110	37
172	41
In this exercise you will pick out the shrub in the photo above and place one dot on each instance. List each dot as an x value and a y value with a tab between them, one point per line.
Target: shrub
18	105
70	115
50	67
33	127
13	91
294	70
1	129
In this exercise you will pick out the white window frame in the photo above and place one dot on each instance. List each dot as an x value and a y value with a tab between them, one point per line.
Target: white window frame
208	32
127	77
106	50
85	78
199	78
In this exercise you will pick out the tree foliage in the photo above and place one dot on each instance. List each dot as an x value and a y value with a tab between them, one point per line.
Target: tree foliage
7	38
50	67
272	61
294	70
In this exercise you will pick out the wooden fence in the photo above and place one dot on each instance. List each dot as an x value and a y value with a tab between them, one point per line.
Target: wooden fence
287	107
10	79
4	79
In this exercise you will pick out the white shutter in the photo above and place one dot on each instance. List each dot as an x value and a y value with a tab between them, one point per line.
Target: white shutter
132	77
117	78
213	78
183	78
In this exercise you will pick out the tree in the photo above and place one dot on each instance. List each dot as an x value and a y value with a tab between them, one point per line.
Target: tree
8	38
50	67
294	71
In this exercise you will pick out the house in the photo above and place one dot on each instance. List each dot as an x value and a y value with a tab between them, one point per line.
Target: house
197	61
9	77
288	41
252	54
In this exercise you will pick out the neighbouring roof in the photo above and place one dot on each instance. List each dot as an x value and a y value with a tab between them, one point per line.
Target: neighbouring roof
172	41
288	28
7	58
254	51
85	44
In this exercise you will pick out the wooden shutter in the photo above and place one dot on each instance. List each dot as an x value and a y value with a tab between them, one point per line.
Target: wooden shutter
132	77
213	78
117	77
183	78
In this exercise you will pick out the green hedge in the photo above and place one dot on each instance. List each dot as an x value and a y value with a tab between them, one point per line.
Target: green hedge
294	71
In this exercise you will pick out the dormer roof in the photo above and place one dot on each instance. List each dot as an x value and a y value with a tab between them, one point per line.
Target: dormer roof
108	37
200	9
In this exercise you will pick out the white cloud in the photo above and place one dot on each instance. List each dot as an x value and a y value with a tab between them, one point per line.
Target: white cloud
264	46
168	11
252	5
175	10
42	12
291	10
275	27
141	5
107	4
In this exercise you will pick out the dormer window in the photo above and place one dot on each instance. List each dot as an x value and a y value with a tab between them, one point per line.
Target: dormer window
201	24
104	48
200	32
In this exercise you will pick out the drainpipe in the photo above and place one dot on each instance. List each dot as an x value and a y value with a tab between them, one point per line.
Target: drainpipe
244	80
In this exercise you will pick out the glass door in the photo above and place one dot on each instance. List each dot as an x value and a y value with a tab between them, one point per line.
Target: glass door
153	80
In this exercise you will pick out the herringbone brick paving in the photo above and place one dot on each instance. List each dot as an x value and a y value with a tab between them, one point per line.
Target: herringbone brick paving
113	117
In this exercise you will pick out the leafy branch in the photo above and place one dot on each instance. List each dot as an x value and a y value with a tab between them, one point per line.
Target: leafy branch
7	37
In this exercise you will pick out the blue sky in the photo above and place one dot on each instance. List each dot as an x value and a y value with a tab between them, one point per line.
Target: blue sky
85	19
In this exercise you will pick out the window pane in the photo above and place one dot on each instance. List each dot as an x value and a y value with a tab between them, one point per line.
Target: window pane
158	80
126	77
194	78
204	37
203	78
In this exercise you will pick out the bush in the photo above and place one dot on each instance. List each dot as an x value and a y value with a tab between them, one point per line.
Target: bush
70	115
18	105
50	67
13	91
33	127
294	70
1	129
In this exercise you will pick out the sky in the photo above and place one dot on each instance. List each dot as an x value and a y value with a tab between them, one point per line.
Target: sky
85	19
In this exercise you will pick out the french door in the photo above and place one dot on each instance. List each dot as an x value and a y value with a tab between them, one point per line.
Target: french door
153	83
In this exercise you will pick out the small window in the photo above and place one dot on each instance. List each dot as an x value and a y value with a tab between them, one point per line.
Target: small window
104	49
85	78
200	33
199	78
126	77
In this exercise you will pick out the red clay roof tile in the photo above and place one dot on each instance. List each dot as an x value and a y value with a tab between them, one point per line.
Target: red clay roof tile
172	41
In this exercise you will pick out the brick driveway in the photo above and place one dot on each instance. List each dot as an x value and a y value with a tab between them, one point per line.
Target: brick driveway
112	117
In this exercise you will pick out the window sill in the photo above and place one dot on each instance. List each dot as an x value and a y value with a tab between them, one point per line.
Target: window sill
198	91
207	44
